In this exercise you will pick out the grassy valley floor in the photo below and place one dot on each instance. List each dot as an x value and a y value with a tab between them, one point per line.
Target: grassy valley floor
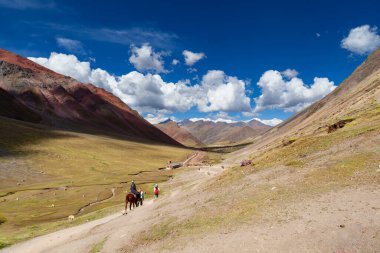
315	192
46	175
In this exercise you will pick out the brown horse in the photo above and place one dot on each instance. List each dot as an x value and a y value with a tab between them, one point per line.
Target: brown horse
132	201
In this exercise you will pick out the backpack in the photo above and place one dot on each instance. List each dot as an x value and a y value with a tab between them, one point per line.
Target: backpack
156	190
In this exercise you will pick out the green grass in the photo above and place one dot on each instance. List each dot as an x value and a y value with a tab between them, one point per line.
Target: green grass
90	165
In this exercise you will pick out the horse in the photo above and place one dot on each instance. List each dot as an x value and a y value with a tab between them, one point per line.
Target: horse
131	198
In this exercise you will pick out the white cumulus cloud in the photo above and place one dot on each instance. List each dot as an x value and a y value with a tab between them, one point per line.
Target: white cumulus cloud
191	58
361	40
64	64
217	117
270	122
149	93
290	95
145	59
290	73
215	120
223	93
158	118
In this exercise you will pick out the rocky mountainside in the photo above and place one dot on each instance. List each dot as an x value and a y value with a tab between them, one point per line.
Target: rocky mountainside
179	133
31	92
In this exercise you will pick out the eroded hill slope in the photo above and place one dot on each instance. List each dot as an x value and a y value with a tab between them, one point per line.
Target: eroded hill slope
63	102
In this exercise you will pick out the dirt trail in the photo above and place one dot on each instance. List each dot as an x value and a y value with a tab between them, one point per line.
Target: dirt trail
318	224
194	159
80	210
117	228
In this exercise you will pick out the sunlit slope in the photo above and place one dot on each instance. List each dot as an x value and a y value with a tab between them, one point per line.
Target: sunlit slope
292	172
330	148
284	182
359	93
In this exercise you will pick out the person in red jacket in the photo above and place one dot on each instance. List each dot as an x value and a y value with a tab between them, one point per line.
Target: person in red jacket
156	191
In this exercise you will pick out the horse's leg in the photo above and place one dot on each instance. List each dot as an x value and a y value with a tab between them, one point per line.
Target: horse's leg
126	204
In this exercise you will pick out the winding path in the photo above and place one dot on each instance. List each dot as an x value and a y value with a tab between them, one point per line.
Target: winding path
117	228
80	210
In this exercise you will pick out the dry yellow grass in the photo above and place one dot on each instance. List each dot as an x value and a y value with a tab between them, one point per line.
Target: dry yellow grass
90	166
311	165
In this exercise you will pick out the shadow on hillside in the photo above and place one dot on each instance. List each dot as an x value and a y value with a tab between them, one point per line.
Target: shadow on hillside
16	135
225	149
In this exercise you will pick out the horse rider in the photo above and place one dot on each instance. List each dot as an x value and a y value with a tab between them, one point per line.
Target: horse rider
133	189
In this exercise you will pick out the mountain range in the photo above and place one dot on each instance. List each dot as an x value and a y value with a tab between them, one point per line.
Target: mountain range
33	93
205	133
178	133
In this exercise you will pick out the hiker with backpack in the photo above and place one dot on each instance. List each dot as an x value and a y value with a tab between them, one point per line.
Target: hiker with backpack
156	191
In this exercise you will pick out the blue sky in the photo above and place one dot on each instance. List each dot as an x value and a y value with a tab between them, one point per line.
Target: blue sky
237	51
